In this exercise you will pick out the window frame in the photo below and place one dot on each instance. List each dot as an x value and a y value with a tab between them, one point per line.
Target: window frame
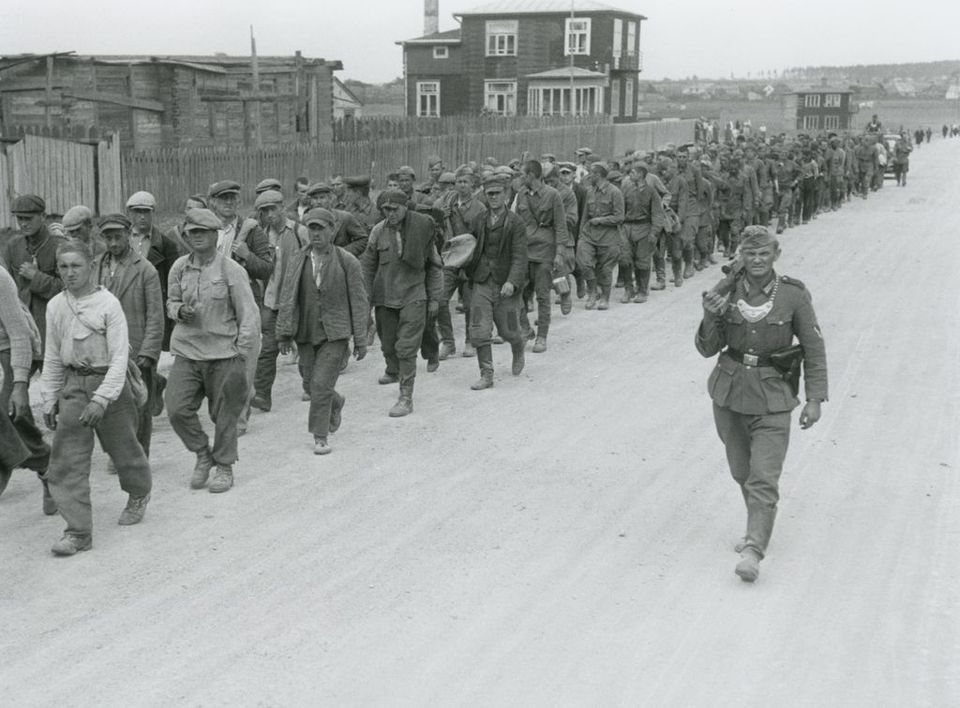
631	38
497	30
832	100
811	122
811	100
421	94
441	51
831	122
569	33
507	95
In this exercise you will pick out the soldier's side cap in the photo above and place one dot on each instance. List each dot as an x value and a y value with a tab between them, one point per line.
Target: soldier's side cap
76	216
447	178
201	220
114	221
28	204
225	186
142	200
396	197
270	197
756	237
357	181
458	250
269	184
319	188
319	215
548	169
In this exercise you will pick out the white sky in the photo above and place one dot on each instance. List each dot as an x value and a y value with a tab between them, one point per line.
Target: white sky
681	37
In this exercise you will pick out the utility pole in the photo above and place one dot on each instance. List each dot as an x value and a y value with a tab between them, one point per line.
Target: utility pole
255	89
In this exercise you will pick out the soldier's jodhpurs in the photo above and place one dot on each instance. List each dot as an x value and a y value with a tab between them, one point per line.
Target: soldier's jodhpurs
69	473
540	279
321	364
21	442
489	307
596	262
451	282
401	331
224	383
756	446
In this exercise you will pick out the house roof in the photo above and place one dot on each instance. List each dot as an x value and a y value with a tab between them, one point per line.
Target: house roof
530	7
568	72
448	37
347	93
216	63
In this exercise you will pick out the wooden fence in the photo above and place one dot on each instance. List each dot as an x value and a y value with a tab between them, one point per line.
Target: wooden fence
64	172
173	175
352	129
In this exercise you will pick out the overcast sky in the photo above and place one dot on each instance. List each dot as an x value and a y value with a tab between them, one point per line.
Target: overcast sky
680	38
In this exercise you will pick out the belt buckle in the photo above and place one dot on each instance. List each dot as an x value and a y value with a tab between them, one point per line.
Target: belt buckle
750	360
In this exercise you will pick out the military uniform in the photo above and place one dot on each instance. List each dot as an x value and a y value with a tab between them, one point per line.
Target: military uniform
751	400
599	246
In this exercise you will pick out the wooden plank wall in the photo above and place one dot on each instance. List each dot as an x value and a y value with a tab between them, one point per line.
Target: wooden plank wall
109	182
6	218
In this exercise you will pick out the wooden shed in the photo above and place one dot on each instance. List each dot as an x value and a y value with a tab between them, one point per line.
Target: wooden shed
172	101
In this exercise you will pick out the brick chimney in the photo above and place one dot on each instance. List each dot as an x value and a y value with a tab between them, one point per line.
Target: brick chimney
431	12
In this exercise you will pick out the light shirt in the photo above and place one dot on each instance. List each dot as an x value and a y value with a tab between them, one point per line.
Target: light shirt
140	243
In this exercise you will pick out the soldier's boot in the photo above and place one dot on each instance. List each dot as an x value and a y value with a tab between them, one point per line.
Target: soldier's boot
643	285
603	302
540	344
591	291
677	267
628	293
222	479
516	366
661	283
485	359
688	269
468	350
5	475
760	518
566	303
201	471
447	349
404	404
780	223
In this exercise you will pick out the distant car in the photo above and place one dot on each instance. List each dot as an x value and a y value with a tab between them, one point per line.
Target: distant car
890	142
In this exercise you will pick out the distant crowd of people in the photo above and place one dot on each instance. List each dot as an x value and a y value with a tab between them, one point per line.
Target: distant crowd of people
90	303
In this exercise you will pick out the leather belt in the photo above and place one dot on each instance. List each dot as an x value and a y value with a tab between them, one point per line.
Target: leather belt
748	359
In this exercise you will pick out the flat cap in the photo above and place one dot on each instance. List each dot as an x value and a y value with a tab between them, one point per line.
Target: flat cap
114	221
142	200
447	178
28	204
493	183
319	188
357	181
269	184
319	215
201	219
393	196
225	186
76	216
271	197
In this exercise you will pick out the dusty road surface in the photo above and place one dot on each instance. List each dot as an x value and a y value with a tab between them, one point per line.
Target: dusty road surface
563	539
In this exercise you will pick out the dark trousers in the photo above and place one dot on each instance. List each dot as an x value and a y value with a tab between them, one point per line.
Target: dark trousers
401	331
452	283
21	442
540	284
489	307
266	372
320	364
69	473
640	247
596	262
145	419
430	339
808	195
223	382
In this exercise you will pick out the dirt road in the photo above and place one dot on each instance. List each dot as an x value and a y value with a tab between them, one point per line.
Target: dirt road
564	539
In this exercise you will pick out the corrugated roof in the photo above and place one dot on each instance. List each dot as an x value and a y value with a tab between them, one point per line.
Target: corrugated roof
523	7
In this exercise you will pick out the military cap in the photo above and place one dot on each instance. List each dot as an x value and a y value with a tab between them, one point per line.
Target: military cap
504	170
434	160
447	178
319	188
756	237
357	181
640	165
319	215
114	221
601	167
142	200
28	204
465	170
406	170
393	196
548	169
615	175
268	198
548	157
583	151
493	183
200	220
269	184
567	167
76	216
225	186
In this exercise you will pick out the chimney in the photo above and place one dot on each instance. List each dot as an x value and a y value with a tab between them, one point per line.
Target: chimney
431	11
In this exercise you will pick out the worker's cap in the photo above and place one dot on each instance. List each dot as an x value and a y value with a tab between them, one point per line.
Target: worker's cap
548	157
465	171
600	167
201	220
319	215
28	204
76	217
583	151
447	178
406	170
433	160
493	183
269	184
357	181
566	167
225	186
142	200
271	197
505	170
757	237
319	188
112	222
395	197
614	175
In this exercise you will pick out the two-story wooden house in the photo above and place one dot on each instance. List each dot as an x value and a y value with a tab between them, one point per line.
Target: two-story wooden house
528	57
819	108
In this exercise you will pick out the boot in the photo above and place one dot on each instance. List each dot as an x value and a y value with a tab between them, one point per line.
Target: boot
780	225
628	293
468	350
201	471
485	359
222	479
749	566
516	366
447	350
134	511
591	302
540	345
643	285
566	304
336	413
49	505
661	283
404	404
688	270
387	379
677	273
71	544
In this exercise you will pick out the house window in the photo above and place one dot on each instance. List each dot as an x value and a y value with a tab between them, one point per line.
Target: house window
631	39
811	122
629	105
615	98
617	42
428	99
441	52
831	122
578	36
555	101
501	97
502	38
831	100
812	100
